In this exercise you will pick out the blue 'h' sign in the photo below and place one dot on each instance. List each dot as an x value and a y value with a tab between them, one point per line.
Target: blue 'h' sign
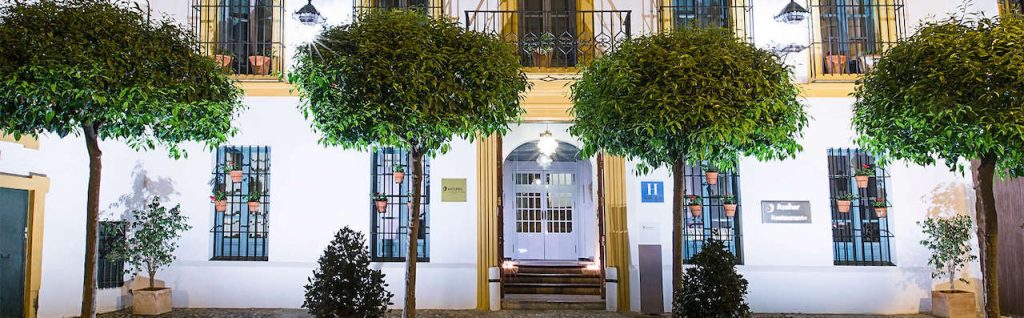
652	191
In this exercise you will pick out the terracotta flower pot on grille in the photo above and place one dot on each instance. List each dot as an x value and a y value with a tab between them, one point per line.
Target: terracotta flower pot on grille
843	205
399	177
224	60
862	181
881	212
254	206
260	64
236	175
730	210
712	177
382	205
221	205
696	210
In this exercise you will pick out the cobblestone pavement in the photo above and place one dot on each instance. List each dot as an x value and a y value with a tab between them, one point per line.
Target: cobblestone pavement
298	313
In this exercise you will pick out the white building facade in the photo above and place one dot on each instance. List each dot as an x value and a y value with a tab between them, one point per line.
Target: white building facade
593	211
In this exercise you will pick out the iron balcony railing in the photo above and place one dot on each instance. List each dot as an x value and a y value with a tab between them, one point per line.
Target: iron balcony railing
850	36
735	15
555	39
244	36
434	8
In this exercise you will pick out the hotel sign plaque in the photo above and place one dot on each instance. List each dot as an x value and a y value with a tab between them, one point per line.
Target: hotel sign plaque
785	212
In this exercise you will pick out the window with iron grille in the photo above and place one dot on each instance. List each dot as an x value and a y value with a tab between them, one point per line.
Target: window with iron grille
244	36
240	232
851	35
110	272
860	236
735	15
390	229
433	8
713	222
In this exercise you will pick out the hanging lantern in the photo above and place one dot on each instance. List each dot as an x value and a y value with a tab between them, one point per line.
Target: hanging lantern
544	161
793	13
308	15
547	145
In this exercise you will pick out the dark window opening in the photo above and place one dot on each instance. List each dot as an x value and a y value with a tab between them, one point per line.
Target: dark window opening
390	229
860	236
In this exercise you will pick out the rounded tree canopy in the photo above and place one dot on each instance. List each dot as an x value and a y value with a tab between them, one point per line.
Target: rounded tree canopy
954	90
400	78
698	94
66	64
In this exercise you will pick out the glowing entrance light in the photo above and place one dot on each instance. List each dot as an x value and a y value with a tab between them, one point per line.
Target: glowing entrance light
547	145
544	161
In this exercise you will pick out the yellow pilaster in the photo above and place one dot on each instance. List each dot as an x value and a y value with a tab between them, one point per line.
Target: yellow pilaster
616	230
37	186
487	214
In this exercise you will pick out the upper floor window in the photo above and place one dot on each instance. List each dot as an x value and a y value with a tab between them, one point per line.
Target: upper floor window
554	33
849	36
244	36
860	209
389	230
435	8
1012	6
719	212
735	15
241	195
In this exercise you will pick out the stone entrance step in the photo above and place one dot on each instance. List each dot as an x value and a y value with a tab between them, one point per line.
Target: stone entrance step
552	279
551	302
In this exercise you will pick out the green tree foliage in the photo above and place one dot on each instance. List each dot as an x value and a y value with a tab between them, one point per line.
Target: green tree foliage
698	96
949	239
952	91
106	71
712	287
150	238
402	79
344	285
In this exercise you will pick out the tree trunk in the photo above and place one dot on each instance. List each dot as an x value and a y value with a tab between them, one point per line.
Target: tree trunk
988	233
678	189
416	163
152	276
92	215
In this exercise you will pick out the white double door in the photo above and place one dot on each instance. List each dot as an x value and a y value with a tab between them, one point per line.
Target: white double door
546	226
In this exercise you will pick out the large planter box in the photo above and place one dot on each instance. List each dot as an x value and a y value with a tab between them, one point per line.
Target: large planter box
151	302
955	304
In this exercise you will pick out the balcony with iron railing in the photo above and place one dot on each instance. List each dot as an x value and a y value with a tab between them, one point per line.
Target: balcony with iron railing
245	37
735	15
434	8
553	40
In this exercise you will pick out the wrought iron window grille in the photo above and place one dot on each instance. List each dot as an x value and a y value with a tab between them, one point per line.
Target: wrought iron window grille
434	8
860	237
713	222
555	38
389	231
850	36
110	272
735	15
241	232
243	36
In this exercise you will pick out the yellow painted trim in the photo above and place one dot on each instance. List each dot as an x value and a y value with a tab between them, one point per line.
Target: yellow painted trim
616	229
886	27
819	89
487	215
37	187
27	141
267	88
207	33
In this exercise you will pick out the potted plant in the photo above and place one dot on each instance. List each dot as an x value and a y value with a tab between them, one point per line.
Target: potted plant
399	173
262	61
881	207
835	64
234	170
224	57
380	201
949	241
148	245
729	204
711	174
220	201
542	50
254	200
843	202
863	175
695	204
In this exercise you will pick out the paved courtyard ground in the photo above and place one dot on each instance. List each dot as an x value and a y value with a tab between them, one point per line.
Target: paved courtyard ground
298	313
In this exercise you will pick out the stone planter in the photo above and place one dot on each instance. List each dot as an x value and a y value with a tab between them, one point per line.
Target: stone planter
696	210
843	206
712	177
151	302
954	304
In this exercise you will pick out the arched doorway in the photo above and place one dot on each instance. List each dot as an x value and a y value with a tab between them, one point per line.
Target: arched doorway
546	204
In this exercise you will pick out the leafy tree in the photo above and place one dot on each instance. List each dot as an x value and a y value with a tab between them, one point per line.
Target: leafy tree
344	285
949	240
402	79
712	287
107	72
952	91
150	238
699	96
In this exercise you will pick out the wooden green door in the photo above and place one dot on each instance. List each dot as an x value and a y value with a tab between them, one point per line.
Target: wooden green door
13	216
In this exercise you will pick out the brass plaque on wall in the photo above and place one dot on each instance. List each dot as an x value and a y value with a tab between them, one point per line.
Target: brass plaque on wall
453	190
